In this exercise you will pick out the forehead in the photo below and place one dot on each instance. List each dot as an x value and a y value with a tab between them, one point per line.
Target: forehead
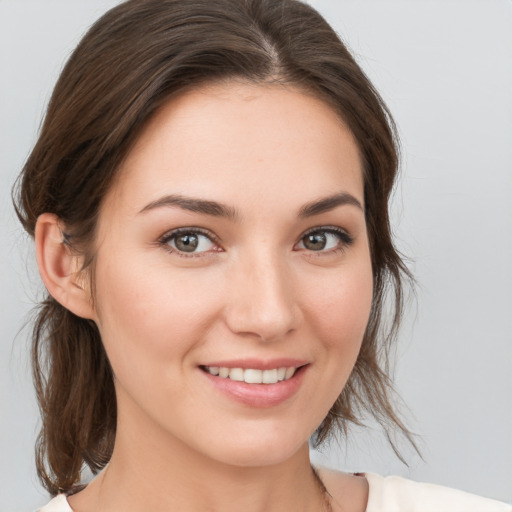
241	142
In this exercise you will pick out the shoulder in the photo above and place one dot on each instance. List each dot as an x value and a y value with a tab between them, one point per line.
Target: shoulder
57	504
348	492
396	494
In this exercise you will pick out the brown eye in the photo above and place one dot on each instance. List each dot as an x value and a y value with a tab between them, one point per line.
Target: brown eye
189	242
325	240
315	241
186	243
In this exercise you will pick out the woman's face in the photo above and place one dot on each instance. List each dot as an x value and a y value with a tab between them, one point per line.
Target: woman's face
233	250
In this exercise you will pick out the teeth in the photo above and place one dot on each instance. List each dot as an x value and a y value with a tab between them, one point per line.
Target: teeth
269	376
289	373
251	375
236	374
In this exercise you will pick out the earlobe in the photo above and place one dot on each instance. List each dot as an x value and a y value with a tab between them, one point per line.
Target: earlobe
60	268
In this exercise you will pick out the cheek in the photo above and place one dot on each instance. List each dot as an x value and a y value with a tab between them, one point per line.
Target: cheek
149	313
338	314
341	308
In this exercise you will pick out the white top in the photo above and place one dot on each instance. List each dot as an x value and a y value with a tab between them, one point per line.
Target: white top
396	494
390	494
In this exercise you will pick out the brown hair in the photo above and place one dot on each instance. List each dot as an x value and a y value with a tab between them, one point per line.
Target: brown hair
132	60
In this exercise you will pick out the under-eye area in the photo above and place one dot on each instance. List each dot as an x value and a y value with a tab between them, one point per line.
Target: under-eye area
254	375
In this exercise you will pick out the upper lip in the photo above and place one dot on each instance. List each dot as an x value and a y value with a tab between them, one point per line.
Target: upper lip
259	364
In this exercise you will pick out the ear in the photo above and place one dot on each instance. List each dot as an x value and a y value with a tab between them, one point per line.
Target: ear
60	269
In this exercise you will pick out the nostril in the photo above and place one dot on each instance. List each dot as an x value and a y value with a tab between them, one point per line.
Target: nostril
266	326
262	302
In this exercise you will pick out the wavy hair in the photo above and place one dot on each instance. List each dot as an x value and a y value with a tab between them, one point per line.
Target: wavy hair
131	61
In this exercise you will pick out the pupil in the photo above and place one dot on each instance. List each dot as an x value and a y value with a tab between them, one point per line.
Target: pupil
187	243
315	242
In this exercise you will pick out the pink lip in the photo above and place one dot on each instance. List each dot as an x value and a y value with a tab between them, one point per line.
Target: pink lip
259	364
257	395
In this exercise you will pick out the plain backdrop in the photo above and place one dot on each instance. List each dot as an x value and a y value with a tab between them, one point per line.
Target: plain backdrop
445	69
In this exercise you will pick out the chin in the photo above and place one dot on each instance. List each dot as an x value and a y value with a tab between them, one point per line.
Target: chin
265	449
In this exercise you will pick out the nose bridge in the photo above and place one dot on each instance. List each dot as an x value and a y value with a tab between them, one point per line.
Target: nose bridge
263	301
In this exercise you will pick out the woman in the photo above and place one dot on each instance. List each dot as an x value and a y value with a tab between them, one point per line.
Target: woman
210	218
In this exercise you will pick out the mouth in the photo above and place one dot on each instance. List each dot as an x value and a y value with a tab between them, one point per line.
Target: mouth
257	383
253	375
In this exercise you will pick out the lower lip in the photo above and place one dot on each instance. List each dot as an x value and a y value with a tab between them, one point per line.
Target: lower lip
258	395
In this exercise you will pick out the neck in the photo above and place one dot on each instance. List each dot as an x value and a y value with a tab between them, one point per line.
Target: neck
159	473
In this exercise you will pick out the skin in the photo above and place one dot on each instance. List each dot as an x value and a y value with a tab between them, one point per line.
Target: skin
254	290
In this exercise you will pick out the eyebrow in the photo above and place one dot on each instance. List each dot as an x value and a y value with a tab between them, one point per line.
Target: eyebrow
191	204
328	203
217	209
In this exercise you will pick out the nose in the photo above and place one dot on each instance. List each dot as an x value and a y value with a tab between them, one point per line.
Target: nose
262	301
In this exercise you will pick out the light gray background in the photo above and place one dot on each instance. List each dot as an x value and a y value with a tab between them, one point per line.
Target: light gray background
445	69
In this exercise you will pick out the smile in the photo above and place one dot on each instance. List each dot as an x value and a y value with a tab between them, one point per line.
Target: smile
257	382
252	375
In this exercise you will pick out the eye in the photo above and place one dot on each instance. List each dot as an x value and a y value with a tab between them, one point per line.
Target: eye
188	242
325	240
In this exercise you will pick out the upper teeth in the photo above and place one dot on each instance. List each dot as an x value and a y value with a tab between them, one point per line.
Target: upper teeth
252	376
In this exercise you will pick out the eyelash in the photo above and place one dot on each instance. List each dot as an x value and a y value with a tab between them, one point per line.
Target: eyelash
345	239
171	235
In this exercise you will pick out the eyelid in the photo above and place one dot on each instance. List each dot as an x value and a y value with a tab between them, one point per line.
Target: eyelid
346	239
173	233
